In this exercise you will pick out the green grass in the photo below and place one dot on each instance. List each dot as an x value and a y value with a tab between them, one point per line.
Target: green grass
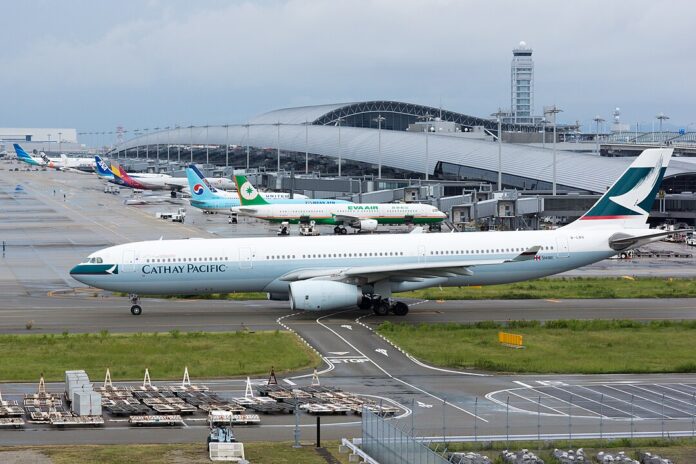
577	347
559	287
680	451
207	355
258	453
566	288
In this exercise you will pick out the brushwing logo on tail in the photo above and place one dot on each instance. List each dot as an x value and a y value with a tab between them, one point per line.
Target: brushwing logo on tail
248	191
631	200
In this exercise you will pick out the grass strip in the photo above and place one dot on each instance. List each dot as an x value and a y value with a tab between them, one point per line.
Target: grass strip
566	288
565	346
207	355
258	453
555	287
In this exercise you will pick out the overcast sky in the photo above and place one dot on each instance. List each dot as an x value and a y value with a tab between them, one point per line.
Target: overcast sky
94	65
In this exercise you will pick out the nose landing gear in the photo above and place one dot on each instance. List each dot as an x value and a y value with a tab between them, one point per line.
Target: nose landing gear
136	310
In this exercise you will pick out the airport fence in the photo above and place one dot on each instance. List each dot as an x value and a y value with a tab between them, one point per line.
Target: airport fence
388	442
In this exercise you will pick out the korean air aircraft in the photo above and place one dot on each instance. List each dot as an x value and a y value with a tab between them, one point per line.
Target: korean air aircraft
208	198
360	216
324	272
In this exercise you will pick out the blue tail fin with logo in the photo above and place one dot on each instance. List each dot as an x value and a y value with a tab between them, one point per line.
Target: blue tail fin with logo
198	185
103	170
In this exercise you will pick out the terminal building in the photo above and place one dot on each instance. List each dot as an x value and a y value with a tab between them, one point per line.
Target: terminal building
412	152
47	140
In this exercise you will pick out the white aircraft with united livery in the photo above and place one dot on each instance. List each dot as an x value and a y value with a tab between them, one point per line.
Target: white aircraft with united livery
326	272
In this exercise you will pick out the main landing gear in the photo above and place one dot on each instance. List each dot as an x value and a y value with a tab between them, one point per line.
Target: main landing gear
136	310
340	230
383	306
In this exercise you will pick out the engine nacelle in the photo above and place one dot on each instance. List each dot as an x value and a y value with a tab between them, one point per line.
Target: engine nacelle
368	225
277	296
317	295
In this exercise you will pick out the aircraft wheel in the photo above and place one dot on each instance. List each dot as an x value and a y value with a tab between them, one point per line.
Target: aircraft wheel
344	231
337	230
136	310
365	303
400	308
380	307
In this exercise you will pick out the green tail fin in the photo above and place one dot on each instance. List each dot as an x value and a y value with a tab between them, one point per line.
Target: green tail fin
248	195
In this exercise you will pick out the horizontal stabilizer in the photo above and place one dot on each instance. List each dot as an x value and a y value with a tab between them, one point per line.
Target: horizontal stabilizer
622	241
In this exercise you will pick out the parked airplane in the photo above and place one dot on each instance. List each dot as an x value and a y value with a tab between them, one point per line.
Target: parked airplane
26	157
323	273
360	216
63	163
150	181
208	198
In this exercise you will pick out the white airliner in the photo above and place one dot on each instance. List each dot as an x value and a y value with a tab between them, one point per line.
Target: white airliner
64	163
363	216
323	273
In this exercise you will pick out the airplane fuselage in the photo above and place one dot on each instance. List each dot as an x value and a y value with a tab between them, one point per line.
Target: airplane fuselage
182	267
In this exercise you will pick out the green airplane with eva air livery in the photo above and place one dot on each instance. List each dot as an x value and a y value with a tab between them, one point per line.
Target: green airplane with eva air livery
365	216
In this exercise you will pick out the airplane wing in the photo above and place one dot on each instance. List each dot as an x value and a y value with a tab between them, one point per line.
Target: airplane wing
245	210
347	219
413	272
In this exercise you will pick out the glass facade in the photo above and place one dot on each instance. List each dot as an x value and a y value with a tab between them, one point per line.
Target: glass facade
522	85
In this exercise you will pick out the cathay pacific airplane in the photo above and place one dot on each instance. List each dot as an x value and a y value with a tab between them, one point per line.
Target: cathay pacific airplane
363	216
206	197
325	272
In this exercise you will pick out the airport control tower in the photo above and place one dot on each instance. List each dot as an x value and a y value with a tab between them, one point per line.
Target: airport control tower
522	85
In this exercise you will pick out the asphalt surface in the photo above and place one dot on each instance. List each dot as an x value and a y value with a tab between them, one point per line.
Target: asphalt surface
46	234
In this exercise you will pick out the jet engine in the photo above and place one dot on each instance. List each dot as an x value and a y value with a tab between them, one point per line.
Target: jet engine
368	225
317	295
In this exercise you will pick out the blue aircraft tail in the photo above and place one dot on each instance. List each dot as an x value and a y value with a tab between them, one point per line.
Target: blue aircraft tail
103	170
23	155
198	185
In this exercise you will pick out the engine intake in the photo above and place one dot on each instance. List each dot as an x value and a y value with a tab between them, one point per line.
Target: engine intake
368	225
318	295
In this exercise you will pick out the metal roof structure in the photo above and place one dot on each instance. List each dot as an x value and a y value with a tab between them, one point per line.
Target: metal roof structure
476	158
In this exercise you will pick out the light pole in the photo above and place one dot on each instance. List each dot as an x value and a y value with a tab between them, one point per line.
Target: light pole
207	147
147	143
379	120
178	142
278	143
136	132
340	160
227	145
554	110
169	143
60	142
49	143
597	119
427	117
247	144
662	117
306	143
543	135
499	115
191	127
157	146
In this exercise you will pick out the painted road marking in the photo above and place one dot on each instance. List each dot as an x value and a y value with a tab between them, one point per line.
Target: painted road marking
347	326
347	360
383	351
318	321
338	353
289	382
424	405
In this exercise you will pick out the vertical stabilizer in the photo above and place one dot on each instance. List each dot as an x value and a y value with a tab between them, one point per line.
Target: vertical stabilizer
248	195
628	202
199	186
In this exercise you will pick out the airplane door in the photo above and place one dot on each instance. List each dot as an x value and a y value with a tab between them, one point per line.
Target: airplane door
421	253
128	261
245	258
562	246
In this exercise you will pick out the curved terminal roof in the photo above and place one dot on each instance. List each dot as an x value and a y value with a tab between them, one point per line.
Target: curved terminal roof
404	150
